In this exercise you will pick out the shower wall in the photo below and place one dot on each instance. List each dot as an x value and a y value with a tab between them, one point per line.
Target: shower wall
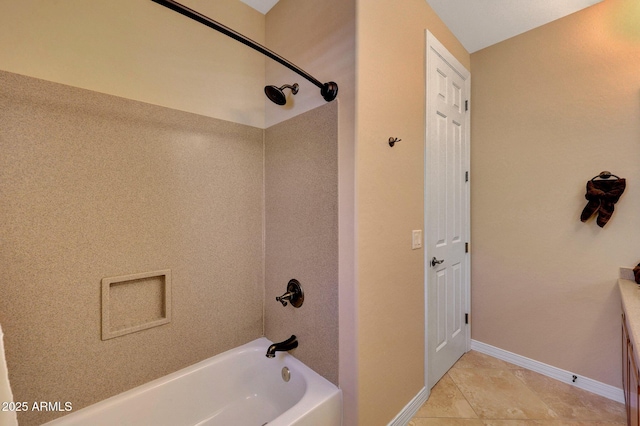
96	186
301	234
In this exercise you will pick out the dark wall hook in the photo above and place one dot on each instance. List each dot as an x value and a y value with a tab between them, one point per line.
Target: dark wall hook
392	141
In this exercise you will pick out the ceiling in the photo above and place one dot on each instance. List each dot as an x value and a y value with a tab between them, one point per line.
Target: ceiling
481	23
262	6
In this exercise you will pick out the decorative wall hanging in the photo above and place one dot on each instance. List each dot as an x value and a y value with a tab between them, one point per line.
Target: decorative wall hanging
602	193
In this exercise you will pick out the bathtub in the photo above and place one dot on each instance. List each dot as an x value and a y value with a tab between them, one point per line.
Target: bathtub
239	387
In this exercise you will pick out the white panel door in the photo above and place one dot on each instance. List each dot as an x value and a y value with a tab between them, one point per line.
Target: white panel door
446	210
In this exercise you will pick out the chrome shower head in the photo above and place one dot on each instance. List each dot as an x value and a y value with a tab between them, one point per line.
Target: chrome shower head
276	94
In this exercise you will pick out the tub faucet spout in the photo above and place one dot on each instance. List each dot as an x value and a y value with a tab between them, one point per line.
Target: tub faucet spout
287	345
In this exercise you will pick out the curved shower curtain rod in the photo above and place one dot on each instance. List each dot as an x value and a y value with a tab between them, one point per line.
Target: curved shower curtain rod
329	90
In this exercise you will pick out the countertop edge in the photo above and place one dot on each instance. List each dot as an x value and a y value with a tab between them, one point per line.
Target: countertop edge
630	295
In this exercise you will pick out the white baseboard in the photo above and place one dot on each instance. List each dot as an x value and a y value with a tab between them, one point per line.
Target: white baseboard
410	409
564	376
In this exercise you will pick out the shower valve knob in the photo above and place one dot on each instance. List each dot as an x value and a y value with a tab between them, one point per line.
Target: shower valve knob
294	294
283	299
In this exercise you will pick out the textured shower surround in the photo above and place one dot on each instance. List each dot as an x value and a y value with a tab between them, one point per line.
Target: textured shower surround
95	186
301	217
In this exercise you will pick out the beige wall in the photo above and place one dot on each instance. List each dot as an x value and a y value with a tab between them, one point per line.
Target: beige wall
552	108
96	186
142	51
390	276
301	234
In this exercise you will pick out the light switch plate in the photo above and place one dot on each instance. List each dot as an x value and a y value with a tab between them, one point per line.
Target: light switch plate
416	239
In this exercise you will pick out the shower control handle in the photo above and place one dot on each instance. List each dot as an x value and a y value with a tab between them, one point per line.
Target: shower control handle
294	294
283	299
435	261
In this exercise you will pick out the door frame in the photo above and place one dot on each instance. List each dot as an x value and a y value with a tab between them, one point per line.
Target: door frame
434	47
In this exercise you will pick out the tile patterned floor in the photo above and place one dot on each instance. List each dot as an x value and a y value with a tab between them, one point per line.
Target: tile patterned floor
484	391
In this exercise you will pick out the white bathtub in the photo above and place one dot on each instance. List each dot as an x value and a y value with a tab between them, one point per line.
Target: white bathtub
240	387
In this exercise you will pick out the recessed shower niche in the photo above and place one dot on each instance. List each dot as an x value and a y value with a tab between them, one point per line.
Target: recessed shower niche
135	302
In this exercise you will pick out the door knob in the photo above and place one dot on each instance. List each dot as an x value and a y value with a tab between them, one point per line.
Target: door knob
435	262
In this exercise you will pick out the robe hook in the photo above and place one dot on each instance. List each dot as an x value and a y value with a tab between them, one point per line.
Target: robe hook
392	141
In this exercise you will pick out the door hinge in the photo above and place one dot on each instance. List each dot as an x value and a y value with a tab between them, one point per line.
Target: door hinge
466	176
466	247
466	105
466	318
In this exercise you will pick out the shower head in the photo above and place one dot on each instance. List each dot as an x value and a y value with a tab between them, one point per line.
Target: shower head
276	94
